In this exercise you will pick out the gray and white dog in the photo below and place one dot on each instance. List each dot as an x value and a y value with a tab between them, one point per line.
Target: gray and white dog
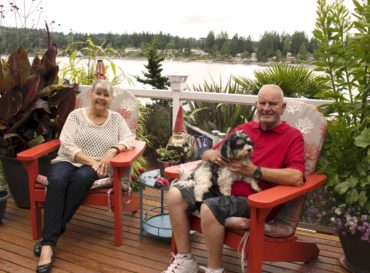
236	147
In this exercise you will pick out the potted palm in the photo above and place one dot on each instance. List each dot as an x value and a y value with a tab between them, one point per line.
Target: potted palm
33	108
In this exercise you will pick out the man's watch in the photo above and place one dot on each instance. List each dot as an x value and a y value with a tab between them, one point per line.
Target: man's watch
257	174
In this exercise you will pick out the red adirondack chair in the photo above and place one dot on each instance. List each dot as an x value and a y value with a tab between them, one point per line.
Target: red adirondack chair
276	240
126	104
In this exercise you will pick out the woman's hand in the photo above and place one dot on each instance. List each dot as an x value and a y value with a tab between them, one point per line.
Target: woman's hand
104	163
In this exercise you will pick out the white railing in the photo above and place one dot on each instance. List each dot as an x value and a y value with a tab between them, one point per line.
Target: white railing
177	93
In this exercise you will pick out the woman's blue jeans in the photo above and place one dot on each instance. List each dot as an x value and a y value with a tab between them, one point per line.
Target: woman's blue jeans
67	189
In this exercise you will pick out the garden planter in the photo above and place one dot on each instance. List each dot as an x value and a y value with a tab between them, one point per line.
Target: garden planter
3	199
165	164
17	179
356	252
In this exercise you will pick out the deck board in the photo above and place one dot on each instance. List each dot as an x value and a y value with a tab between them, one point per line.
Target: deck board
87	246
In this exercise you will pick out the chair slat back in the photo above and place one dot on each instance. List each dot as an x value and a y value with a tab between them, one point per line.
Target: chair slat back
308	119
312	124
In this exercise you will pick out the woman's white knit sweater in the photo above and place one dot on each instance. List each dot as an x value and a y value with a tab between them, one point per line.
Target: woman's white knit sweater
80	134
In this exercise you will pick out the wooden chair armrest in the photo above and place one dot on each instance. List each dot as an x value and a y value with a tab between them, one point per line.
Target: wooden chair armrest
281	194
126	158
39	150
173	172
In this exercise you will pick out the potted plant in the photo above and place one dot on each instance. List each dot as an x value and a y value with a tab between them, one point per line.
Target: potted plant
168	157
33	108
345	156
4	194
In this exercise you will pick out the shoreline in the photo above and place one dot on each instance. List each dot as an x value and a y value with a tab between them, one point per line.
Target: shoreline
187	60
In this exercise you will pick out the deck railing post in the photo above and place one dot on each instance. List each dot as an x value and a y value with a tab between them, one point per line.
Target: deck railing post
177	83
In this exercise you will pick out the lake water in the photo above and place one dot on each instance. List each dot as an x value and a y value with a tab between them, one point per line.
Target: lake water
197	71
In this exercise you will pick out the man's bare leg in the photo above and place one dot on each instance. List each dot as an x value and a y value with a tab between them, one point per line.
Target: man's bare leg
213	233
179	220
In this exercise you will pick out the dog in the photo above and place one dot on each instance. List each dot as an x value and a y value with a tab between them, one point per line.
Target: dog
238	146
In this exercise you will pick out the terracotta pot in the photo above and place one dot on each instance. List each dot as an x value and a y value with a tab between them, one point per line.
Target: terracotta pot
356	252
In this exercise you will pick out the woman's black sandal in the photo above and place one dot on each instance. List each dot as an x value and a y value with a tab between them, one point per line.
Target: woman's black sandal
46	268
37	249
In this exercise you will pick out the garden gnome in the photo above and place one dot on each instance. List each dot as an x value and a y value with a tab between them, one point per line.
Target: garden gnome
180	139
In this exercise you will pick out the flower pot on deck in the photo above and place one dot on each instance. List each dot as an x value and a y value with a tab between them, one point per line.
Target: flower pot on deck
17	179
3	199
356	252
165	164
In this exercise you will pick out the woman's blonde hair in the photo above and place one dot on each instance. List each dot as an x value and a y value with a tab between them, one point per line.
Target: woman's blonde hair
103	85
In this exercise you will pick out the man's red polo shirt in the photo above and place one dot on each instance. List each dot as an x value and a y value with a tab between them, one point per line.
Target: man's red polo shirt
281	147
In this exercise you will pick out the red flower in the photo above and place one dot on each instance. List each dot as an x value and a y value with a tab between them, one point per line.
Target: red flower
140	170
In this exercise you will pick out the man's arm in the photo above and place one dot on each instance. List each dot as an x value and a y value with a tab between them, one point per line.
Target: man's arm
284	176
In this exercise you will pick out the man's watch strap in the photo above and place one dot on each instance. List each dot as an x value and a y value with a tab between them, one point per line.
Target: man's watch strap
257	174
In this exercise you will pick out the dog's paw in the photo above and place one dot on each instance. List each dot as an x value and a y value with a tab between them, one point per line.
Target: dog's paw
255	187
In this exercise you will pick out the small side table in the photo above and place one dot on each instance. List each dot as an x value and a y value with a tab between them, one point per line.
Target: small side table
154	221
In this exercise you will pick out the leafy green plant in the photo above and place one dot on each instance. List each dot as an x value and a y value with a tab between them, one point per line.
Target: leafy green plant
170	155
33	107
157	124
296	81
343	56
221	116
81	64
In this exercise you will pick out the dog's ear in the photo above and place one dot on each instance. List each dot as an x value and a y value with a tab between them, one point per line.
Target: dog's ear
225	148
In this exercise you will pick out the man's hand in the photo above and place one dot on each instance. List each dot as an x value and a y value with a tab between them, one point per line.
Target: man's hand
243	167
215	157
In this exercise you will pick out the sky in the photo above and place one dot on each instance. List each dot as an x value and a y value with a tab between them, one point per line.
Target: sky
187	18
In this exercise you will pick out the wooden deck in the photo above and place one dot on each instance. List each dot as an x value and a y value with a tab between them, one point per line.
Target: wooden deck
87	246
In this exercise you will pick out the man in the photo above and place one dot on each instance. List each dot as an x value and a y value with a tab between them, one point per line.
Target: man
278	158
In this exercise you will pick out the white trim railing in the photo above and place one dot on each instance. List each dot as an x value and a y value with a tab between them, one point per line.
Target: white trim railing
177	93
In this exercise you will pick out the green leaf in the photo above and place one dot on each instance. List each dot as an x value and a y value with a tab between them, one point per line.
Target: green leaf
342	188
362	198
352	196
363	140
36	141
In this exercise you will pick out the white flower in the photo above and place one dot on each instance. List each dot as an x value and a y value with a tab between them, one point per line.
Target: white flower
338	211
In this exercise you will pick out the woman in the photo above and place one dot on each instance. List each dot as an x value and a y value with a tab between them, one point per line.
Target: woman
90	138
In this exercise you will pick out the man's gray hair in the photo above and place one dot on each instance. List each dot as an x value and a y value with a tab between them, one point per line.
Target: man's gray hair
273	86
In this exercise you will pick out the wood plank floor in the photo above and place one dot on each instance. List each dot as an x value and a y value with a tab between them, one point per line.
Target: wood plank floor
87	246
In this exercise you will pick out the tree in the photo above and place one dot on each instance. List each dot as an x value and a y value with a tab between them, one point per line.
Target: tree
298	39
286	40
268	45
302	52
210	42
154	75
